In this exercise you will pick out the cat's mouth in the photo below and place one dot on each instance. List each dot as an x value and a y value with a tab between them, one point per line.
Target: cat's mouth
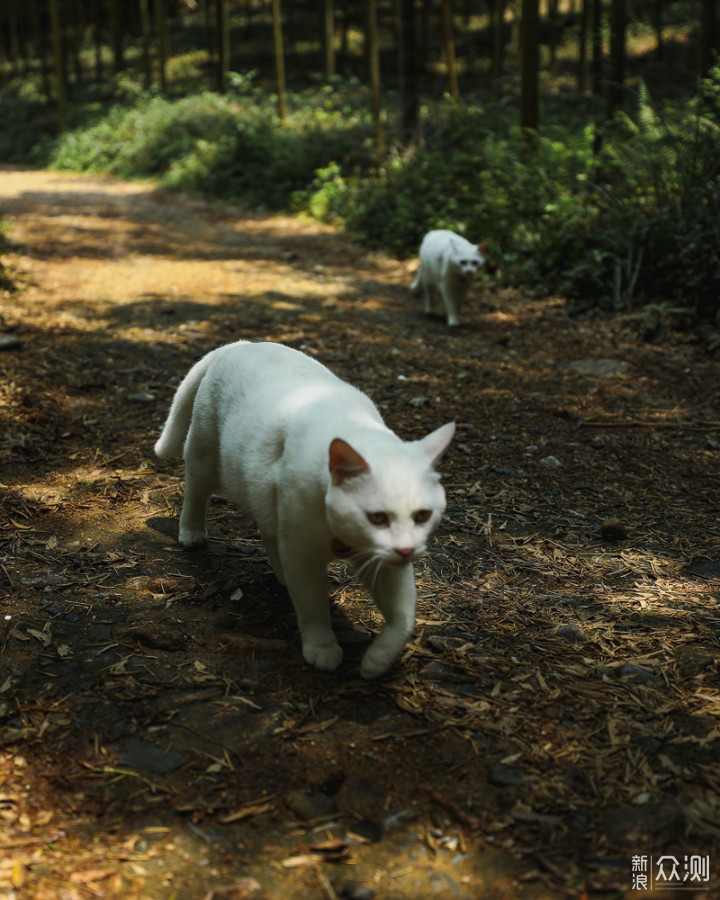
341	550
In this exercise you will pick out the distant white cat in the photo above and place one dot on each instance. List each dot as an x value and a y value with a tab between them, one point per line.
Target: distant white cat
309	458
448	265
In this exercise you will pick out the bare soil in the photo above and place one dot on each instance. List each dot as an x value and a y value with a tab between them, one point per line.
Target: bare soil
555	720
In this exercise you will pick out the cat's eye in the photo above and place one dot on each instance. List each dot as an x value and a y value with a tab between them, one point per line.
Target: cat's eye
381	519
422	516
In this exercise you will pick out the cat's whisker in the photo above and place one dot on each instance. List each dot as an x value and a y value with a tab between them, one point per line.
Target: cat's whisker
368	564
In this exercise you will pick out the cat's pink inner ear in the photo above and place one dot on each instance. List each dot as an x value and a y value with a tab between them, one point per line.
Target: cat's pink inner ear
483	246
345	462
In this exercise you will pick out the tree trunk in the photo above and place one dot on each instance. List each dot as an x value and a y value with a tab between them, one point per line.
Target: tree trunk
708	36
116	37
59	61
408	69
97	38
553	29
40	40
223	44
597	47
615	88
146	42
582	49
449	47
498	41
329	38
279	60
658	24
529	61
161	37
373	56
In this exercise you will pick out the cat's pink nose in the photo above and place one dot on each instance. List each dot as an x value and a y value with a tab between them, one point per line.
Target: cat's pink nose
404	551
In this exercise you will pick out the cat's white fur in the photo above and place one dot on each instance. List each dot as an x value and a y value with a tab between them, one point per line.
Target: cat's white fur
309	458
448	265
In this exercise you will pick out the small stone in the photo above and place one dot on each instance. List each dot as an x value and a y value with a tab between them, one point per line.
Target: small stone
639	826
166	639
572	633
417	402
308	805
613	530
551	462
504	776
142	397
9	341
603	368
704	568
436	671
151	758
638	674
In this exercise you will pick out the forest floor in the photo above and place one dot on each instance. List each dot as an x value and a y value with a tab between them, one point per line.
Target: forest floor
553	728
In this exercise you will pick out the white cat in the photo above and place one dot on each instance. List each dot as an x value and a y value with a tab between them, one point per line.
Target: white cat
309	458
448	265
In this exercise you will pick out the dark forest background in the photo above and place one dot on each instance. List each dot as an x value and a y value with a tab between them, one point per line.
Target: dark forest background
580	138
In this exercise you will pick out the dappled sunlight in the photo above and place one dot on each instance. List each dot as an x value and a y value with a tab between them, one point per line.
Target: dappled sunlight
559	695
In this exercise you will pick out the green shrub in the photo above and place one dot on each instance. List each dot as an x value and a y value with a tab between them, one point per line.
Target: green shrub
637	222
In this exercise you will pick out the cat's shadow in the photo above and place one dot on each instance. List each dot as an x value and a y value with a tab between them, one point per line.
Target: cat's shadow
352	636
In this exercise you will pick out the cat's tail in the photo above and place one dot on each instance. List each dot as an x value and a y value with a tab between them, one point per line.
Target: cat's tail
172	440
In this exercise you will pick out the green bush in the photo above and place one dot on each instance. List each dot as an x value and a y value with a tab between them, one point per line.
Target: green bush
229	147
635	222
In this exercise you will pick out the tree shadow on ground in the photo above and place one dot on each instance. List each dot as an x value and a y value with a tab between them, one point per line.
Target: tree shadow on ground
553	714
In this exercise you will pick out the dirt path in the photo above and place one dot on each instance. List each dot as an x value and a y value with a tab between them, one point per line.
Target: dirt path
557	713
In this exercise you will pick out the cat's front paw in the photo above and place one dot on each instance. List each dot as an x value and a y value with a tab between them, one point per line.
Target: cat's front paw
323	656
190	537
374	665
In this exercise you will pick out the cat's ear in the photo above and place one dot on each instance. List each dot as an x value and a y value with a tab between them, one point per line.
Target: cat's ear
436	443
483	246
345	462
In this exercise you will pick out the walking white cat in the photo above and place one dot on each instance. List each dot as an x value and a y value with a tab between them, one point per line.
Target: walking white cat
309	457
448	265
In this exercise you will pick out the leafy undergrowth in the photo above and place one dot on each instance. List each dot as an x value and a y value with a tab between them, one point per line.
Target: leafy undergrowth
613	215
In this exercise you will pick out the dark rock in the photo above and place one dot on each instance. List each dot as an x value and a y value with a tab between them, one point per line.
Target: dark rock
601	368
504	776
151	758
9	341
638	674
309	805
436	671
642	826
363	796
692	661
367	830
705	568
572	633
613	530
167	639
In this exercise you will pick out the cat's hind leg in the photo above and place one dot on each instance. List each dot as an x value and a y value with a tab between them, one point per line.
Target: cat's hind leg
395	595
200	483
422	286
